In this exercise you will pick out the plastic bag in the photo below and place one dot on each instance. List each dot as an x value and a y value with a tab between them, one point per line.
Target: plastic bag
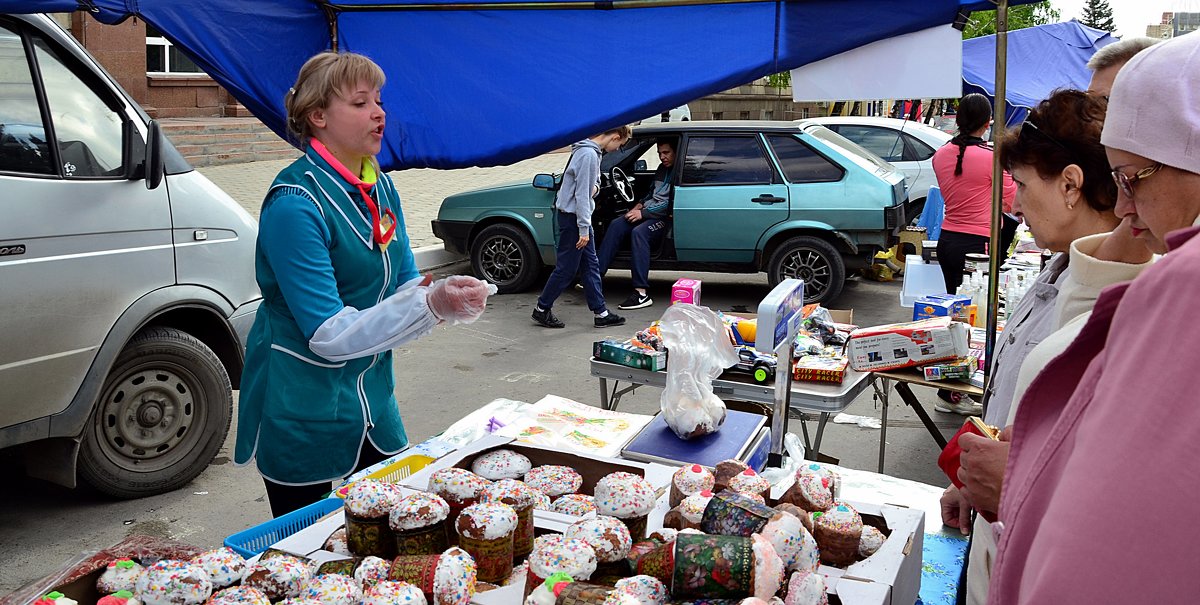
792	461
699	352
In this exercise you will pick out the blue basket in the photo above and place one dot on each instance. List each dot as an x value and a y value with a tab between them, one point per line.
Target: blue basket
250	542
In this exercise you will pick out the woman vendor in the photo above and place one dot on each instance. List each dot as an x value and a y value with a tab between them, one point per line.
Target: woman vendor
340	290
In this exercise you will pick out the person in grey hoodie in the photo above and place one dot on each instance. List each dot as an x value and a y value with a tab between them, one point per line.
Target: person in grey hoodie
574	205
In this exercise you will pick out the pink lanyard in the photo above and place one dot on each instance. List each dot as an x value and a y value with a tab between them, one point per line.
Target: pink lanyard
380	235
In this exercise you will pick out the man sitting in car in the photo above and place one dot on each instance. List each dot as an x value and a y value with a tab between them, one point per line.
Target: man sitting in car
644	225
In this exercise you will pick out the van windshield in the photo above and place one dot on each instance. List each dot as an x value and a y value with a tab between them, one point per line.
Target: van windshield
850	148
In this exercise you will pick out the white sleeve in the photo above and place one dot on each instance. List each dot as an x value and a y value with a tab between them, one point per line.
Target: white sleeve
352	333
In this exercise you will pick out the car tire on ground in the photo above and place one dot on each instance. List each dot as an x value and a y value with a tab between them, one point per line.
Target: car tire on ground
813	260
163	414
505	255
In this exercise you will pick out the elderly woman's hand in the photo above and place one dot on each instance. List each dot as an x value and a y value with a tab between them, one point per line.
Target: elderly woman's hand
956	511
981	469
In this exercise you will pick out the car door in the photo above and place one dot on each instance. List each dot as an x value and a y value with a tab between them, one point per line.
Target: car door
79	242
817	193
728	195
886	143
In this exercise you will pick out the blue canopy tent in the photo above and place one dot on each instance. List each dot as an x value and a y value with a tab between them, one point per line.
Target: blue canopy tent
491	82
1041	59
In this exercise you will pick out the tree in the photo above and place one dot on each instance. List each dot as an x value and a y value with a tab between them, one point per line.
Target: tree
983	23
1099	15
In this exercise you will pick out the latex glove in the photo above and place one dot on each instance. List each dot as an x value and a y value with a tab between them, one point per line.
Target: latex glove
956	511
459	299
982	469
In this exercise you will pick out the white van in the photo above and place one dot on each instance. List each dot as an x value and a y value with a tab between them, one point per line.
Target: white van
126	279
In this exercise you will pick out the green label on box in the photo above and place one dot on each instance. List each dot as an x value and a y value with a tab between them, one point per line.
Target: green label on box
626	354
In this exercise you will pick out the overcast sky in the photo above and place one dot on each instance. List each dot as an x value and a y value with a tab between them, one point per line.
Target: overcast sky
1132	16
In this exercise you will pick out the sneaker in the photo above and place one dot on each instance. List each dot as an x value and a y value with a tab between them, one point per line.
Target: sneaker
579	286
546	318
612	319
955	403
636	301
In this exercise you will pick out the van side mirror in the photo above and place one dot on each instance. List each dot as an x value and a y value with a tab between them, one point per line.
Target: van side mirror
640	166
154	156
545	181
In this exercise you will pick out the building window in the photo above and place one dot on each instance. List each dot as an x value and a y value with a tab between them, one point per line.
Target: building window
745	115
718	115
769	115
163	58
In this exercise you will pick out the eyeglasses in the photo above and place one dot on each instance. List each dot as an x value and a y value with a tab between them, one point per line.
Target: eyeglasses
1125	182
1028	126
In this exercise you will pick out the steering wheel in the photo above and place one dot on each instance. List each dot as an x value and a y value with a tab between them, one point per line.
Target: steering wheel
621	184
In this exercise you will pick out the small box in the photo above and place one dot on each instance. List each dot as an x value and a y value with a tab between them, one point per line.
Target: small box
686	290
820	368
942	305
959	369
903	345
627	354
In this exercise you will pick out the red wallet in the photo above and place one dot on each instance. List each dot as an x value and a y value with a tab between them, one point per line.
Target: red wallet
948	460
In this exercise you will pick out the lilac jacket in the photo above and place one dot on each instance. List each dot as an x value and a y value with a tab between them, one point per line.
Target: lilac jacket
1100	493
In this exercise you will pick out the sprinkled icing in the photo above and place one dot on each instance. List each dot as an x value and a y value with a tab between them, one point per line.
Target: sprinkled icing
391	593
456	485
574	504
556	553
224	566
648	590
121	574
692	478
607	536
749	482
418	510
806	588
171	582
298	601
371	499
371	571
816	491
665	534
870	541
501	464
692	507
768	568
543	501
337	542
332	589
454	579
239	595
554	480
829	477
279	577
792	542
752	601
487	521
841	518
511	492
624	495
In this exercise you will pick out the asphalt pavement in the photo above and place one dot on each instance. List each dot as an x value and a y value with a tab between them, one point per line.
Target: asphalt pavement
441	378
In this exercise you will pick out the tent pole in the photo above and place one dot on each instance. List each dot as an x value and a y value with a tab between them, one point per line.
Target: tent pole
999	123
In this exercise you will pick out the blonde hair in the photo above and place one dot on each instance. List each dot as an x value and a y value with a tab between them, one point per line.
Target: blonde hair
323	76
624	132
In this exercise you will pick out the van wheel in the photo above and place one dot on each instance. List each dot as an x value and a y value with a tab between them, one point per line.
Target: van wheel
813	260
163	414
506	256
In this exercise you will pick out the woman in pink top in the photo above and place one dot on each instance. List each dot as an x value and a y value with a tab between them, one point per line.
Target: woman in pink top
964	173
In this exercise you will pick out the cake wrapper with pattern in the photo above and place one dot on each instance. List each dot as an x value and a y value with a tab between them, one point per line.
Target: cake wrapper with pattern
493	558
607	573
636	526
429	540
344	567
658	563
523	536
370	536
733	514
418	570
708	566
583	593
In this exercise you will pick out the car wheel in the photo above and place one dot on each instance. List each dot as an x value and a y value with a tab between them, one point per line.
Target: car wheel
505	255
163	414
762	374
813	260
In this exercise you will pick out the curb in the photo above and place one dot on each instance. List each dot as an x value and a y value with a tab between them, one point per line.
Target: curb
435	256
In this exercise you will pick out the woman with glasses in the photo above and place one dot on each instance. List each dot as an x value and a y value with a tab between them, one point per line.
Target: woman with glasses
1102	466
1064	194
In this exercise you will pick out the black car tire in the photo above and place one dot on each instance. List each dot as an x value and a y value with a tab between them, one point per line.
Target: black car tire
163	414
813	260
505	255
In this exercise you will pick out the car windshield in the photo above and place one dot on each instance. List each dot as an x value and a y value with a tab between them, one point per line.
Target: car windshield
633	148
851	149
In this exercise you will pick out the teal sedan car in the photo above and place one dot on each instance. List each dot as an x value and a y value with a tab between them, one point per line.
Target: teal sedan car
793	199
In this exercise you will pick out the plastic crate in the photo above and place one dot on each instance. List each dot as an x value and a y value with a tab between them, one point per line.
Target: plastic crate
392	473
250	542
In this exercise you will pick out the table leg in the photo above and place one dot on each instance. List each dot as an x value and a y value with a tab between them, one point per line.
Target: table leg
809	454
820	430
604	403
882	387
907	395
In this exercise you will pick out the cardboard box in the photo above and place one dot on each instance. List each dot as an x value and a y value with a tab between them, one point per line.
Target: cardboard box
891	576
904	345
959	369
627	354
820	368
942	305
686	290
